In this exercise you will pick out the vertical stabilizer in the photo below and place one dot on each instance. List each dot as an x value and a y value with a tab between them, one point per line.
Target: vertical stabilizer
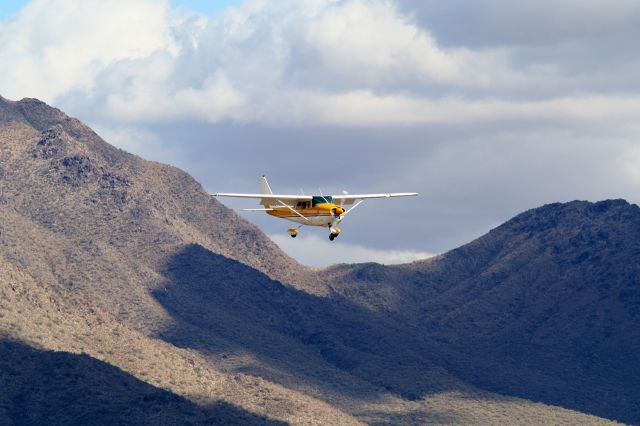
264	185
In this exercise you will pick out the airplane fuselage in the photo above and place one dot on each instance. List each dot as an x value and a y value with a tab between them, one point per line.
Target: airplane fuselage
322	214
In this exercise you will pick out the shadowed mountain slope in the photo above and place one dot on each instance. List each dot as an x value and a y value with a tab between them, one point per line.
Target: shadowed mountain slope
132	263
55	317
45	387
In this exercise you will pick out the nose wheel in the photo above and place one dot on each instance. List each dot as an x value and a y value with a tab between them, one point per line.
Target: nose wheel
334	232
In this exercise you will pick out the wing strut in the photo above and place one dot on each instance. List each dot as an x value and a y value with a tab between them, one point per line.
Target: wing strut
349	211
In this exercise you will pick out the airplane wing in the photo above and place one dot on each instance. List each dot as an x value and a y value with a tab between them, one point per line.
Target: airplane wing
351	198
269	199
292	200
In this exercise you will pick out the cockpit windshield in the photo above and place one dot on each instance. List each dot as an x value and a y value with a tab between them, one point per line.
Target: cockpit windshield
319	199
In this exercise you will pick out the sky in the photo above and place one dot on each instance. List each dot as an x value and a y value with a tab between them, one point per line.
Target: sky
486	108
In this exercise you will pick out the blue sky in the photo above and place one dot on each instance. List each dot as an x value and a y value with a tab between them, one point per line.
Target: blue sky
7	7
205	7
485	108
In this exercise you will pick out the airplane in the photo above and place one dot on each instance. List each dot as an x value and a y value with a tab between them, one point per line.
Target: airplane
312	210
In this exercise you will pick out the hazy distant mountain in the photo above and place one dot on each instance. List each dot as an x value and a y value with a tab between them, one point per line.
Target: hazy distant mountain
163	304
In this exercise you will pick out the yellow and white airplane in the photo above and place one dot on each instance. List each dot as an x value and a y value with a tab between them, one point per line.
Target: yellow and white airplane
313	210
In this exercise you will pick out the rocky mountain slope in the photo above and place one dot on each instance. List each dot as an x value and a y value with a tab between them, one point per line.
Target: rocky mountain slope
124	281
85	232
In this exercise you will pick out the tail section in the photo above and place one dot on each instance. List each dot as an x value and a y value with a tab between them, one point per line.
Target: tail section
264	185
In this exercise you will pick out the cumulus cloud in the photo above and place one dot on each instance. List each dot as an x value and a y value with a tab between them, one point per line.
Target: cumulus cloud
51	47
372	43
311	250
290	63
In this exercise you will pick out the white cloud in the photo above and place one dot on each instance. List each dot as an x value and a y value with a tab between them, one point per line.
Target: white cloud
149	99
312	250
290	63
371	41
362	108
51	47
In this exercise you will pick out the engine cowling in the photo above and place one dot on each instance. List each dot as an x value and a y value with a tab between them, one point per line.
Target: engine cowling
338	211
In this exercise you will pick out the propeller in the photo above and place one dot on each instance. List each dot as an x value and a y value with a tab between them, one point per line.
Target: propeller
338	212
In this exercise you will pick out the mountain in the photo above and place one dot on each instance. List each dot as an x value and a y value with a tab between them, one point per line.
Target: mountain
545	306
126	288
86	231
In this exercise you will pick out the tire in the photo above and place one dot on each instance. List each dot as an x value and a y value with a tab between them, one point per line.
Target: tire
331	237
294	235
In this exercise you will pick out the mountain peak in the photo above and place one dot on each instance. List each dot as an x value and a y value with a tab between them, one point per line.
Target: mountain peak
581	222
613	208
36	113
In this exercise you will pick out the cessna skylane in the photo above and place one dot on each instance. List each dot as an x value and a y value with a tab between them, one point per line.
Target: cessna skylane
314	210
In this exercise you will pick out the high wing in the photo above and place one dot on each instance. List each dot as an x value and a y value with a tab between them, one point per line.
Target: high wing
273	200
350	199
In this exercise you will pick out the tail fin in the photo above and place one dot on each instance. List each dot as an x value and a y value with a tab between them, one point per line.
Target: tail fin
264	185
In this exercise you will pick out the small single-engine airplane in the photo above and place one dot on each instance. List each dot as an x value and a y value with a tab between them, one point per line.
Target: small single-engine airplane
313	210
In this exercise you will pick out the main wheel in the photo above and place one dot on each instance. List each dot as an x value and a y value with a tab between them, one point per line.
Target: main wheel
294	235
331	237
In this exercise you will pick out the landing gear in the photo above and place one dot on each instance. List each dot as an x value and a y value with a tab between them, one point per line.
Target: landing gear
294	235
334	232
293	232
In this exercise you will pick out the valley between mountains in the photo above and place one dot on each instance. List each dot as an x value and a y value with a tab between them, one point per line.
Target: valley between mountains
128	295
